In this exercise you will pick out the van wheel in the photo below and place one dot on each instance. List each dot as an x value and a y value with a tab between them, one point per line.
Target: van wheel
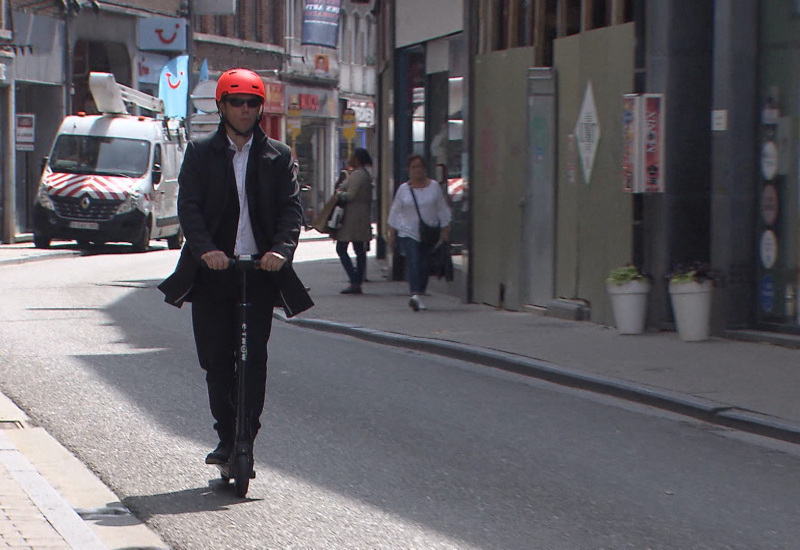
41	241
176	241
144	242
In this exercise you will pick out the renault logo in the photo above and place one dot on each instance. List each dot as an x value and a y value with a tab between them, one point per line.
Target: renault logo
85	202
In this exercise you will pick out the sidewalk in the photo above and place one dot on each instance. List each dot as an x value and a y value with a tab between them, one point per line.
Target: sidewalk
749	386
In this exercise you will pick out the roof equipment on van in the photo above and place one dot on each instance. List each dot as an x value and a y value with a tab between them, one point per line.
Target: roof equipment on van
110	97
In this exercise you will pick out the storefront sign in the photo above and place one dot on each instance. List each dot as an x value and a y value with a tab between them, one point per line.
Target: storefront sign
314	102
365	113
162	33
25	132
321	22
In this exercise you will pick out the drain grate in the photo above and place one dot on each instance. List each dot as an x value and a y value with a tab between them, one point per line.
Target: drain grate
11	425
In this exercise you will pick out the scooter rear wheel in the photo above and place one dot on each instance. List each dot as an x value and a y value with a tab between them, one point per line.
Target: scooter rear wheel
241	478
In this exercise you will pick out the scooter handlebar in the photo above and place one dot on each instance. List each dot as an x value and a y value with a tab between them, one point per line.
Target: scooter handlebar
245	263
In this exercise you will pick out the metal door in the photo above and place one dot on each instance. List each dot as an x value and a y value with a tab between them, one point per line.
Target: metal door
537	256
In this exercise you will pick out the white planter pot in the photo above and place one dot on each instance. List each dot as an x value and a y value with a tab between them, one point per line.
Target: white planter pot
629	305
691	304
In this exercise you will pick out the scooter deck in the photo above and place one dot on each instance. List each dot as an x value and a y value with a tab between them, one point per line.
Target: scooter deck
224	471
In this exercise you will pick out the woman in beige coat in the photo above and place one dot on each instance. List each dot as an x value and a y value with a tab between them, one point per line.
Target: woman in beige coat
355	194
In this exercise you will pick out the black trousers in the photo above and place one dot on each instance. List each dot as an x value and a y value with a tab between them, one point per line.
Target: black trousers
215	319
355	274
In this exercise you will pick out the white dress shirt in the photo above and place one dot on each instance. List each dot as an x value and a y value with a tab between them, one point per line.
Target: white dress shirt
245	241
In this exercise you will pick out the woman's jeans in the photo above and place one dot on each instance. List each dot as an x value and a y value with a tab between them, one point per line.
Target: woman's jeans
417	257
356	274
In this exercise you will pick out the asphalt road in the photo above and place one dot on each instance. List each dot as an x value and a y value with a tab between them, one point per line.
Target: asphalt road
368	447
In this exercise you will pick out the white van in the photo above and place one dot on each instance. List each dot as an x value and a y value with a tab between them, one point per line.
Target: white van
112	177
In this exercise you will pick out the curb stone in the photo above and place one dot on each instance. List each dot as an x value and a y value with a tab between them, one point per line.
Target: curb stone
684	404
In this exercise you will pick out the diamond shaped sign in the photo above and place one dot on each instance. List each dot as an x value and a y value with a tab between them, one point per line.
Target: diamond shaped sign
587	133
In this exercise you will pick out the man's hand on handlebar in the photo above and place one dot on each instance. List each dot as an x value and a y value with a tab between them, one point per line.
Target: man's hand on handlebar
272	261
215	259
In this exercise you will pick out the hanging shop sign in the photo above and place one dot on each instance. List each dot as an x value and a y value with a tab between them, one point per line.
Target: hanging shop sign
162	34
321	23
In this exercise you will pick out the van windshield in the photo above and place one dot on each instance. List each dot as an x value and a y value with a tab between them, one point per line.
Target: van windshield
100	155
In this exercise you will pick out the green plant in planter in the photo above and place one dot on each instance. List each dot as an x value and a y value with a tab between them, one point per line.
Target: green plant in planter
693	272
626	274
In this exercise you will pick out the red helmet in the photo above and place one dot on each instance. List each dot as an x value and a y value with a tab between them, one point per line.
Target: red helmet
240	81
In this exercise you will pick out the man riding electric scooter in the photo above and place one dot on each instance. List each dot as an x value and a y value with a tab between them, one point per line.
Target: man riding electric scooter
238	198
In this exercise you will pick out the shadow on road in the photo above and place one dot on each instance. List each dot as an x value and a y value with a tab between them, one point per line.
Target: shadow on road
218	496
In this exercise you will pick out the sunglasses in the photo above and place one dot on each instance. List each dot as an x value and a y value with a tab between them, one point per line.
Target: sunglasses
253	102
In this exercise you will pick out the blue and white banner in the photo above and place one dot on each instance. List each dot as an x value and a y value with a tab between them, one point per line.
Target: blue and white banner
321	23
173	86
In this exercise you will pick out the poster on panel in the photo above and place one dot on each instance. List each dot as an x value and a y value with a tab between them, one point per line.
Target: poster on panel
653	120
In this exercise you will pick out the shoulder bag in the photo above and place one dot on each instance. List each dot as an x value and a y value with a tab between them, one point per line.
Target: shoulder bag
428	234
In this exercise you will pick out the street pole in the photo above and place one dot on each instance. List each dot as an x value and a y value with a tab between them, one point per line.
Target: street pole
190	54
472	28
68	76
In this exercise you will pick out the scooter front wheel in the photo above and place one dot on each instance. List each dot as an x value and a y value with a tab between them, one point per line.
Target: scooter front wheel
243	469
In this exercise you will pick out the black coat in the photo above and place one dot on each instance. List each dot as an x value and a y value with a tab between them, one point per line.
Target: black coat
207	184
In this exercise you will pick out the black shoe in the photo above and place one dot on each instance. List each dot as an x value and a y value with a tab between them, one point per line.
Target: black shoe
220	455
352	289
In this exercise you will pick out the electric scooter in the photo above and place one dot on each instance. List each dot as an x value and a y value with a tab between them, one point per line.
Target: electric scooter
240	465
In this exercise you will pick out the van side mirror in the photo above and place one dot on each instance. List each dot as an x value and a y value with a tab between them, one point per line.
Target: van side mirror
156	174
43	163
